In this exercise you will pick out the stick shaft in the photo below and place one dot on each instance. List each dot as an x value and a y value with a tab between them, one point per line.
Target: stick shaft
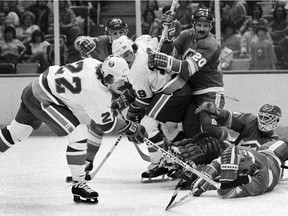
182	163
106	157
165	29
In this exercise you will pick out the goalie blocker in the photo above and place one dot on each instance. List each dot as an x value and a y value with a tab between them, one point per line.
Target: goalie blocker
201	149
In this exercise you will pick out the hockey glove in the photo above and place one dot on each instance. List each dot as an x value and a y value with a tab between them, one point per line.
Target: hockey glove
210	108
163	61
127	97
201	185
135	132
168	17
135	113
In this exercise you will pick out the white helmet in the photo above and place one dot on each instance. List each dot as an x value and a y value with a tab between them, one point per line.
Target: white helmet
114	68
122	45
85	45
268	117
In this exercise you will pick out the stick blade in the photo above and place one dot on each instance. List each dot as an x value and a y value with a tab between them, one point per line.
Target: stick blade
172	198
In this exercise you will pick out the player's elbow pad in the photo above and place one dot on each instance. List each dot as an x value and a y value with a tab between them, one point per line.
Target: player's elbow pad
174	64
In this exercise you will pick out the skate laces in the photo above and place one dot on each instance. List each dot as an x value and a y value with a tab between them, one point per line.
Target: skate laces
84	186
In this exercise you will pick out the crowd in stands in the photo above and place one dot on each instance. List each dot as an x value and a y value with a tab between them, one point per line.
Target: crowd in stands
249	31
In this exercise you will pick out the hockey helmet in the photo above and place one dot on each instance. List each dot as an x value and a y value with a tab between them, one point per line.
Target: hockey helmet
115	24
203	14
114	68
122	45
268	117
85	45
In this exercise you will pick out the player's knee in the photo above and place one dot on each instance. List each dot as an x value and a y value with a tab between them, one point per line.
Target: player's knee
78	138
151	125
19	131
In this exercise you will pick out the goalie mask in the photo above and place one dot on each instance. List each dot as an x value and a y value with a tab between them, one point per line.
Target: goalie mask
115	71
235	161
85	45
268	117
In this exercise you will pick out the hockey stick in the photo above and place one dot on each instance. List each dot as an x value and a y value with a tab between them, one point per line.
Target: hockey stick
165	29
173	198
180	200
92	175
182	163
142	155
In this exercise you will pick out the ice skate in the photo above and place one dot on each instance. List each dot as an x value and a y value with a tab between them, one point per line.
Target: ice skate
83	193
152	174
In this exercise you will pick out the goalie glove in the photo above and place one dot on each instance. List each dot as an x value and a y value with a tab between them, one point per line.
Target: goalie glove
202	148
210	108
123	101
163	61
134	131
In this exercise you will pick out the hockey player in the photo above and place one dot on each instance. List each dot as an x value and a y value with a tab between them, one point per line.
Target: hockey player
243	171
253	131
99	48
162	96
200	53
61	97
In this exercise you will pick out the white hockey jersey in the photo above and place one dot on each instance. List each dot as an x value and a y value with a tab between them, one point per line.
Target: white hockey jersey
76	86
147	82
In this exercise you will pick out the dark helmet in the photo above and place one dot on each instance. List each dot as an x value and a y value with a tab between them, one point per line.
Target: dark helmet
203	14
268	117
116	23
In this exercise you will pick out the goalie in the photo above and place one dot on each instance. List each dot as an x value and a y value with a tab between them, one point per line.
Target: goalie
243	171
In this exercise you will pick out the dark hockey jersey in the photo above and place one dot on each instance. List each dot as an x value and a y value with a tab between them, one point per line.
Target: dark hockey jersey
247	126
103	47
205	54
266	173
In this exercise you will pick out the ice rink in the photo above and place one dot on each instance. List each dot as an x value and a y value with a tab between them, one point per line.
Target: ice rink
32	177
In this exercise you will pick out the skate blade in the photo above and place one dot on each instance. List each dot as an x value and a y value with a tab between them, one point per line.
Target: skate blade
163	178
78	199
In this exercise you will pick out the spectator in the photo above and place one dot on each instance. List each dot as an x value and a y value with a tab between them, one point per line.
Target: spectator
257	13
41	12
231	39
37	50
184	14
2	25
278	29
149	25
27	26
235	12
226	56
262	51
10	15
153	5
247	39
11	49
68	24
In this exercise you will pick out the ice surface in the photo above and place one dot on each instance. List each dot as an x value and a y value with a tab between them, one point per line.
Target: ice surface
32	177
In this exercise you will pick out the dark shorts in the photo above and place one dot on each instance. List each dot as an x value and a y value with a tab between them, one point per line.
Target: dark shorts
58	118
172	107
